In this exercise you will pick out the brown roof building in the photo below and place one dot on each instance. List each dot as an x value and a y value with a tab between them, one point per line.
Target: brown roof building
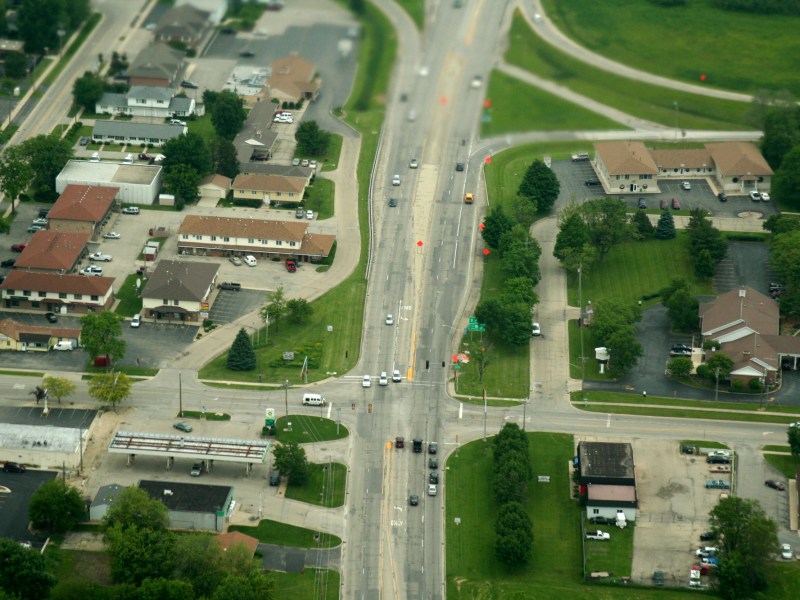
82	208
24	338
53	251
233	538
179	290
224	236
52	292
293	78
183	23
269	189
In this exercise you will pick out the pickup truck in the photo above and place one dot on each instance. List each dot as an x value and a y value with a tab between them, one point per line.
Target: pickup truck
230	285
100	257
598	535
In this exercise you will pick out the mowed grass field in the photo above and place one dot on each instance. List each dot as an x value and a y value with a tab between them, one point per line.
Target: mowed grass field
685	42
654	103
555	571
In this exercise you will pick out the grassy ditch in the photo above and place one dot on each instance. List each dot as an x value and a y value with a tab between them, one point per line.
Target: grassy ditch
283	534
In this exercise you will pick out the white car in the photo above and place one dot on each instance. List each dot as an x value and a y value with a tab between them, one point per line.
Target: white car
755	196
389	320
786	552
477	81
130	210
706	551
396	376
235	261
598	535
64	346
310	215
383	379
99	256
136	321
396	180
366	381
312	164
764	197
250	260
111	235
413	164
431	490
686	185
92	270
536	330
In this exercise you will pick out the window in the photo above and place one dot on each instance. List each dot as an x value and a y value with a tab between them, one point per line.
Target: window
226	239
95	298
198	237
213	238
62	295
279	243
250	240
735	180
78	296
42	294
293	244
185	236
595	511
166	301
26	293
176	302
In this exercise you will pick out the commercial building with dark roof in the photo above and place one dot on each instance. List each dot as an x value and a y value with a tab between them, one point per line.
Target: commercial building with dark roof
53	292
179	290
82	209
53	251
609	463
192	506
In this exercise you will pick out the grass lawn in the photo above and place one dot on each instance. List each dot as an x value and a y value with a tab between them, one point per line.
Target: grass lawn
318	584
787	465
203	127
21	373
654	103
776	448
625	398
325	486
647	36
415	10
627	272
78	565
517	106
309	429
208	416
614	556
576	369
555	570
320	198
331	159
283	534
702	444
677	413
130	303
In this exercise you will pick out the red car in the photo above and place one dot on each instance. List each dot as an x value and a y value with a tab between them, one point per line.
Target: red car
18	247
676	204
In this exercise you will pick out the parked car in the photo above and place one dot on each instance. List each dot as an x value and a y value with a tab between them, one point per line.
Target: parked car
676	204
706	551
64	346
40	221
310	215
663	204
718	460
274	479
51	317
35	228
775	485
580	156
642	204
230	286
536	330
130	210
136	321
18	247
598	535
765	197
680	350
597	520
14	467
9	262
191	85
592	181
247	54
719	484
291	265
92	270
111	235
100	257
722	197
786	549
299	213
658	578
197	469
250	260
755	196
83	141
181	426
707	536
686	185
235	261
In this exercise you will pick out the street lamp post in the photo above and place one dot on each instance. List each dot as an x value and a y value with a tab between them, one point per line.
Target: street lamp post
675	102
61	33
716	388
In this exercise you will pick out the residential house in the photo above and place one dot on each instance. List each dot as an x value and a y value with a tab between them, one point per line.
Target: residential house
157	65
82	209
746	323
255	141
126	132
136	184
224	236
271	190
22	337
53	251
265	168
215	187
179	290
146	101
50	292
192	506
607	479
185	24
293	79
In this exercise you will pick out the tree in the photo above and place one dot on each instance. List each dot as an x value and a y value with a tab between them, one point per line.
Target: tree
748	540
16	65
15	173
224	159
680	366
138	553
189	150
540	185
299	310
101	335
480	357
47	156
514	535
56	506
721	361
522	261
135	507
572	238
704	265
110	388
625	351
782	223
257	586
781	133
290	459
511	478
793	435
665	229
311	140
199	560
607	222
784	253
87	91
704	236
516	327
182	181
166	589
275	309
509	439
519	289
23	573
682	309
228	114
611	316
642	225
496	223
786	181
523	211
241	356
58	387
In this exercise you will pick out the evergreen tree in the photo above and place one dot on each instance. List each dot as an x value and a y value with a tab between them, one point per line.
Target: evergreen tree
241	356
643	225
665	230
704	265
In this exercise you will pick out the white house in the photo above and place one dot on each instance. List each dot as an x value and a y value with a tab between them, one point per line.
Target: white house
146	101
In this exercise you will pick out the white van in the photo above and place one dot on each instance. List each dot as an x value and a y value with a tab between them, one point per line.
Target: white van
67	345
313	400
250	260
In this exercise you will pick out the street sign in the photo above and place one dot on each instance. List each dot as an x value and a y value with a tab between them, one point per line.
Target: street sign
476	327
473	320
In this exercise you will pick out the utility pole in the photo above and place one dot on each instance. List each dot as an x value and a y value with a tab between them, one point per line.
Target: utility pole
180	395
286	395
716	388
485	412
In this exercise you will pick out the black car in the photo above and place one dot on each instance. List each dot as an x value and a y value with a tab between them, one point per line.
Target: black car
9	262
43	212
718	460
775	485
680	350
13	467
459	166
642	203
227	31
433	463
189	84
602	520
274	479
592	181
658	578
433	477
707	536
247	54
722	197
51	316
413	500
432	447
393	202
